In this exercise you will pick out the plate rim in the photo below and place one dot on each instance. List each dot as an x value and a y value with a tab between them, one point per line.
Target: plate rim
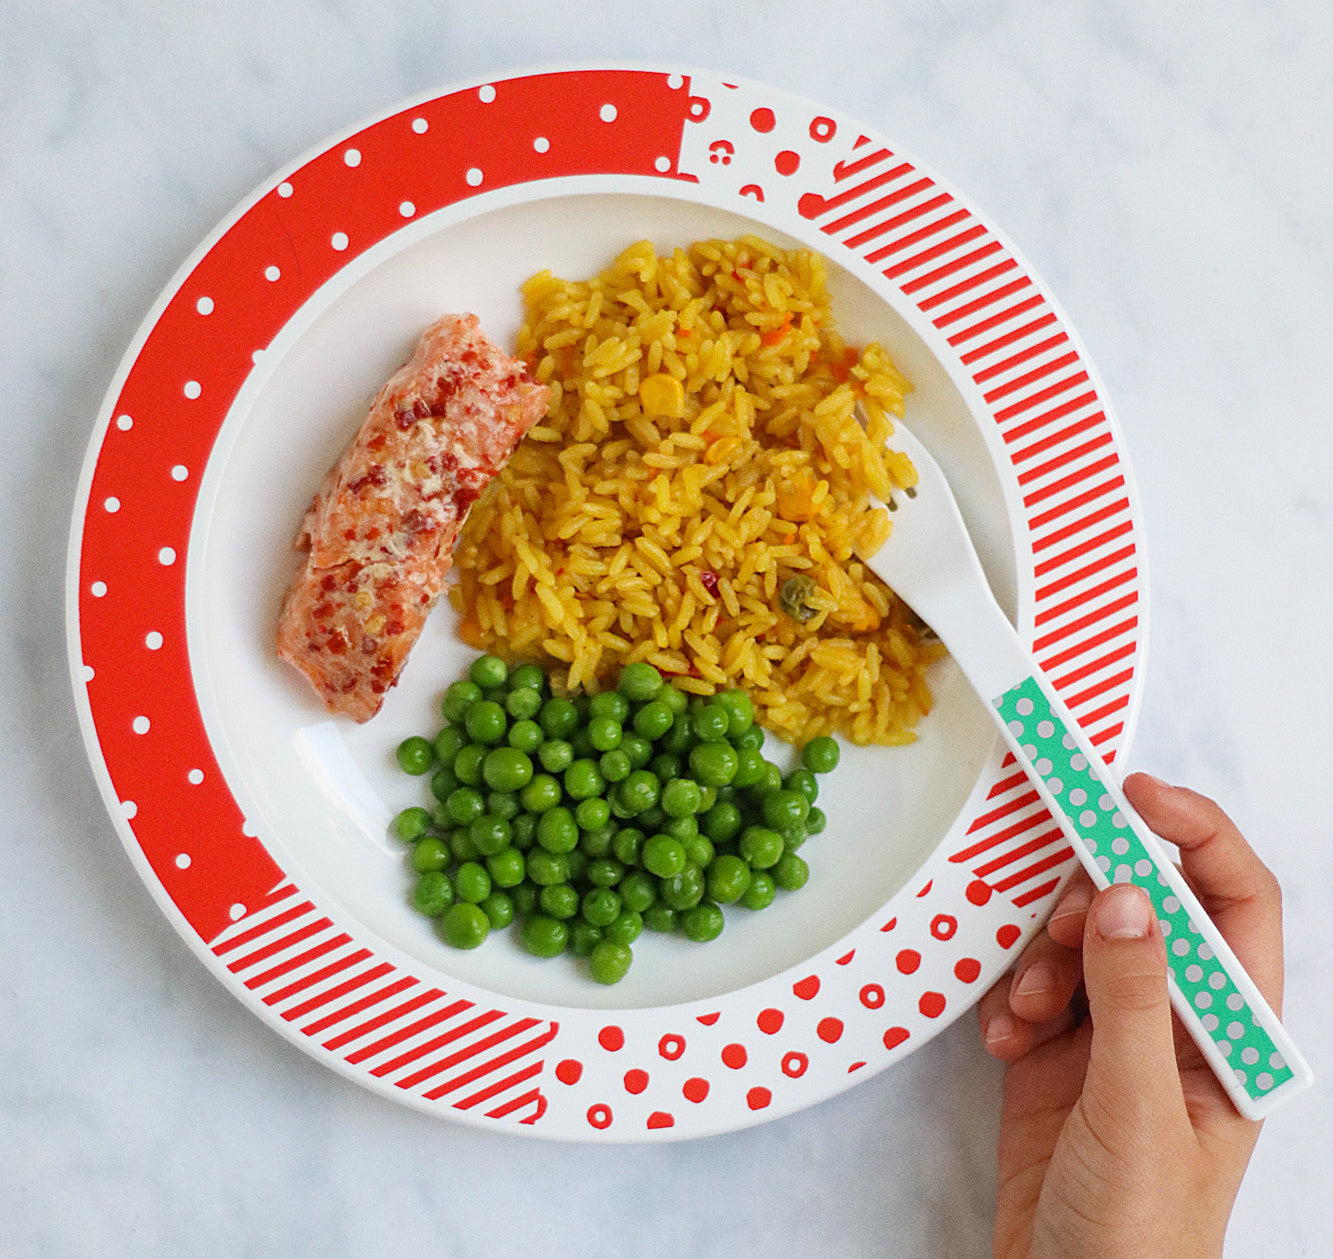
83	505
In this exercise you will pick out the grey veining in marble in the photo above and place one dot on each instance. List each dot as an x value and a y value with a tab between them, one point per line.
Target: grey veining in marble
1165	167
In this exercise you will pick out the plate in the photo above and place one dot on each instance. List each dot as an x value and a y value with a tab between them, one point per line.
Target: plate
259	825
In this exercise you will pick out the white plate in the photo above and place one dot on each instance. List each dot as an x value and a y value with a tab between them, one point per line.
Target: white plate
260	826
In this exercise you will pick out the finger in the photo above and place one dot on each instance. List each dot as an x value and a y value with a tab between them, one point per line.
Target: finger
1044	979
1008	1037
1239	893
1132	1083
1067	919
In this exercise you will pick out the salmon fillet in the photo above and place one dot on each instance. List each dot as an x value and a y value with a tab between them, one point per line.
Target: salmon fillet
380	533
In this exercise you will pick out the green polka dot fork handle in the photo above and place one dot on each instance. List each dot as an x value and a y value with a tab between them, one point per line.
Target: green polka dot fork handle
930	562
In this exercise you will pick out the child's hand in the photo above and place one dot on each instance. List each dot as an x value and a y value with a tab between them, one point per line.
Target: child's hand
1116	1138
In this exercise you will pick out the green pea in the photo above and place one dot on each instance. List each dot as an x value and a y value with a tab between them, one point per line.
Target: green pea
821	755
560	900
458	698
558	717
674	698
524	830
605	733
625	928
448	743
465	805
542	793
486	722
651	819
639	681
683	890
663	856
467	764
739	709
699	850
761	847
722	822
525	735
415	755
751	737
555	755
682	828
609	961
583	780
604	871
784	808
581	743
465	925
523	704
430	853
526	677
593	813
610	704
507	867
653	720
472	882
600	906
488	672
769	783
666	765
804	782
710	722
659	917
640	791
628	845
411	824
461	846
638	749
433	893
615	765
680	738
760	893
727	878
680	796
597	842
638	890
499	909
703	922
714	764
489	834
791	872
558	832
583	937
815	821
547	868
525	899
442	782
506	769
503	804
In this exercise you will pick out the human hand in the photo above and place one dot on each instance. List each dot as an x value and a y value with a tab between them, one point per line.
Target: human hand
1116	1138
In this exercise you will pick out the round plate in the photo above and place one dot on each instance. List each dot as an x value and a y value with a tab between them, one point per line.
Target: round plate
260	826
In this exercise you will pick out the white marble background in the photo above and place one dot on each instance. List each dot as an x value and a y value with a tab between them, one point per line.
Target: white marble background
1165	166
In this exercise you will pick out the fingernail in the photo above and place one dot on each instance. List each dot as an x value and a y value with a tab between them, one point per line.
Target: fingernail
1074	905
1123	913
1039	977
1001	1027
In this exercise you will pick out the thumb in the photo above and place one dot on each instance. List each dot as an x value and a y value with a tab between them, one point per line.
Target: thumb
1132	1081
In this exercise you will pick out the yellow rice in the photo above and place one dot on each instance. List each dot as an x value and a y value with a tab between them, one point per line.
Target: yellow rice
663	529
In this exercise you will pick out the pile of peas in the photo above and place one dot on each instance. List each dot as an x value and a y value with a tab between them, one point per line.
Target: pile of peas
589	819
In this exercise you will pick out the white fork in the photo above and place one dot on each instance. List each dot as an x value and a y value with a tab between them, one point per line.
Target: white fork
930	562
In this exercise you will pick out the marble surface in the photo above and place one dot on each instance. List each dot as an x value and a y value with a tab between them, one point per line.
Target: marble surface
1164	167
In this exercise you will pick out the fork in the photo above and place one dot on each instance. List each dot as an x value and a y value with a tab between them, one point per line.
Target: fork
930	562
